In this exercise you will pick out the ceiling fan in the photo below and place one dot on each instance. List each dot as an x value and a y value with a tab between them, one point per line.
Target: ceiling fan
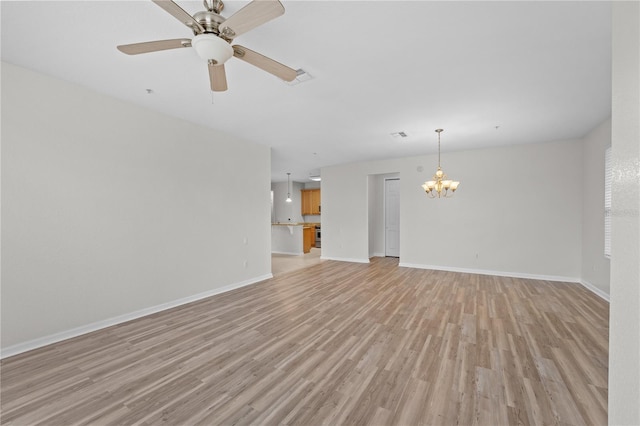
214	34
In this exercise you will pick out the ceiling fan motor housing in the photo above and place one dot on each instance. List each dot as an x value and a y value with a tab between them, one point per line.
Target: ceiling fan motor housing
209	20
211	47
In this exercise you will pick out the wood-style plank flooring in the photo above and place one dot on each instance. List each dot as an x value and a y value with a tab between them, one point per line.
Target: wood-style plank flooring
336	343
283	263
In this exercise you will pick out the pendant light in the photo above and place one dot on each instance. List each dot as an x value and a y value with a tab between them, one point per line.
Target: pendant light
440	186
288	200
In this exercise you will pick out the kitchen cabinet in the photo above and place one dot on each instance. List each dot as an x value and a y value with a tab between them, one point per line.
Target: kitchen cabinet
310	201
308	238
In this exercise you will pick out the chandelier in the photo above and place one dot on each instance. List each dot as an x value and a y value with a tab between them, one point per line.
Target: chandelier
440	186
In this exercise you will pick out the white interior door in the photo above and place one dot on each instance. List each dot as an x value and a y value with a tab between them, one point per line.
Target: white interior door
392	217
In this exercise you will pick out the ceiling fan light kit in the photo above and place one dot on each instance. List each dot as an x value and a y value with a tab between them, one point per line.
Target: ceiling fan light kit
211	47
213	35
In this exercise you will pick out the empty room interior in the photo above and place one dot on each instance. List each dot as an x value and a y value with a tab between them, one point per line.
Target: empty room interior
320	212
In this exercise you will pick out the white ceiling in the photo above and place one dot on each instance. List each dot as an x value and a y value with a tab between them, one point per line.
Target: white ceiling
541	71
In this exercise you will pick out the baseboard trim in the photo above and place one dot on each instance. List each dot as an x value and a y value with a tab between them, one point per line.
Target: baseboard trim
98	325
290	253
495	273
345	259
595	290
378	255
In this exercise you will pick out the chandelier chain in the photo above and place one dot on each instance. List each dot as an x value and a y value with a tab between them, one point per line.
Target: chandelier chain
438	149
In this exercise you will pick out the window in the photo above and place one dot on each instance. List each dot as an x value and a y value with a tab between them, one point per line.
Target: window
607	203
273	214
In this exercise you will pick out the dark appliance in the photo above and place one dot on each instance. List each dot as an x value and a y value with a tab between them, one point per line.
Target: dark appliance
318	237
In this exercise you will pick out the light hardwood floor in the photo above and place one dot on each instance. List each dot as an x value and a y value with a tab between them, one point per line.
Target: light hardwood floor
336	343
283	263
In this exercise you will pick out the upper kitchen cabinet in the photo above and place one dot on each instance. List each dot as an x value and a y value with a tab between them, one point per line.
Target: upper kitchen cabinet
310	201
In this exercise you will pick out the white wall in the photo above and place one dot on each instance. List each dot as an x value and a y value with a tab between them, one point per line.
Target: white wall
312	218
345	209
287	212
287	239
624	325
109	209
507	217
595	267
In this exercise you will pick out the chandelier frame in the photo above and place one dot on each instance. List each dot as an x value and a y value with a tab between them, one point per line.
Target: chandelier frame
441	186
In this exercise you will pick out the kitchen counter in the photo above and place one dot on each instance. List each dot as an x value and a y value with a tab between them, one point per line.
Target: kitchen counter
287	224
287	238
296	224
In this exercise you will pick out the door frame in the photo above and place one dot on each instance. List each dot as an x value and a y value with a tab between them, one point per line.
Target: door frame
384	215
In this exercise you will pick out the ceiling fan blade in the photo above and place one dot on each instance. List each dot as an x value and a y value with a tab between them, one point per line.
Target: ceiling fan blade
252	15
217	77
154	46
179	13
264	63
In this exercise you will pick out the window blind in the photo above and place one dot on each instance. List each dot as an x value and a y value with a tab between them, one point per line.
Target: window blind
607	202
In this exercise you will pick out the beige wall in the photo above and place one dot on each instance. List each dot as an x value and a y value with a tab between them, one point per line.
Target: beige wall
109	210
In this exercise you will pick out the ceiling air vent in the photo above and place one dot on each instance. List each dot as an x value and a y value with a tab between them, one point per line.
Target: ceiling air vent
399	135
301	77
